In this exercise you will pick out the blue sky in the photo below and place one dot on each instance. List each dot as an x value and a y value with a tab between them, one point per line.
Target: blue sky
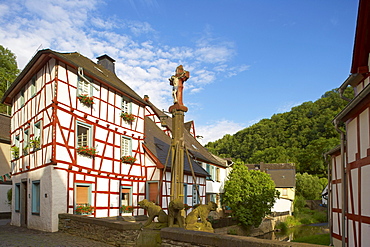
247	59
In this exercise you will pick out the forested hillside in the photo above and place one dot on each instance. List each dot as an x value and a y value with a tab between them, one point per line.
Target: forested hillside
300	136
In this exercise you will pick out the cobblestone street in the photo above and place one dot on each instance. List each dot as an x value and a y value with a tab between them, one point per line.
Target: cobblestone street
20	236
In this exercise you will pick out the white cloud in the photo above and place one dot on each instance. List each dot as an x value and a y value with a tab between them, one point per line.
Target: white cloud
217	130
70	25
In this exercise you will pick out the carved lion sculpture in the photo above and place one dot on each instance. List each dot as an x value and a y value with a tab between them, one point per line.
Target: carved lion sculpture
153	211
201	212
174	212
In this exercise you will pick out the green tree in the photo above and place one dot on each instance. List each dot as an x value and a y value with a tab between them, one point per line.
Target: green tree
300	136
250	194
310	186
8	72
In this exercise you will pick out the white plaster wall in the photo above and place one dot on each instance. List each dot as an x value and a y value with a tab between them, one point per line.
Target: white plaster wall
354	209
365	233
4	205
365	184
282	205
352	140
364	133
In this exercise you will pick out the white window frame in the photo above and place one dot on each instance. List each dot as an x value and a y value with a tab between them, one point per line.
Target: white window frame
88	135
126	106
126	146
84	87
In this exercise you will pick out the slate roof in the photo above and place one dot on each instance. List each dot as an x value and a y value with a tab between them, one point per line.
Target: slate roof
283	174
5	128
159	144
74	59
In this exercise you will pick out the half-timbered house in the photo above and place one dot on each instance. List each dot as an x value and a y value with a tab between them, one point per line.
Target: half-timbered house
78	129
349	201
283	175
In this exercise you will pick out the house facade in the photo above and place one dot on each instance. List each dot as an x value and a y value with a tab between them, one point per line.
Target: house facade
349	202
79	131
5	175
283	175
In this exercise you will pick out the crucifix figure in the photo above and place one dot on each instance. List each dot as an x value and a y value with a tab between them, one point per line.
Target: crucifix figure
177	81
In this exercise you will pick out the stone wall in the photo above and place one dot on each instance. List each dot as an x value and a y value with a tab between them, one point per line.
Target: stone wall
178	237
112	231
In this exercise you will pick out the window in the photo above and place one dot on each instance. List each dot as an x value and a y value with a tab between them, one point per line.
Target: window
83	135
218	178
126	105
22	98
17	197
126	196
285	192
83	194
33	86
36	197
26	140
84	87
210	197
153	191
37	135
126	149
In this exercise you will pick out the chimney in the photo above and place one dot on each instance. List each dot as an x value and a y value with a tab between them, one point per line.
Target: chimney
107	62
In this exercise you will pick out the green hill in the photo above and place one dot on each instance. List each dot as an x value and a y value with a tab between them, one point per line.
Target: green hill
301	136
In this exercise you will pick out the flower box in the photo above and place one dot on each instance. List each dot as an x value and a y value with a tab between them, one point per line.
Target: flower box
127	209
87	151
128	159
84	209
85	99
128	117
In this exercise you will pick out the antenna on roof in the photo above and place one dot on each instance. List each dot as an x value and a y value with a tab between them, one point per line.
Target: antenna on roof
38	48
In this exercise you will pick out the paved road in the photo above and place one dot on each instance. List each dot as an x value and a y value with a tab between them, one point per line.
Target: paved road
20	236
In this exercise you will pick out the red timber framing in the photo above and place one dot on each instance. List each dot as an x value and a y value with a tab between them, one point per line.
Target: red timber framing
55	107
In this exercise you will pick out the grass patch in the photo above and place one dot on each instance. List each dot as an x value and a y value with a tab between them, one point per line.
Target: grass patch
321	239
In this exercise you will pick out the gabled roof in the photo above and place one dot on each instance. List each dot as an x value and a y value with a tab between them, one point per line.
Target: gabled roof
5	129
75	60
159	145
283	174
361	48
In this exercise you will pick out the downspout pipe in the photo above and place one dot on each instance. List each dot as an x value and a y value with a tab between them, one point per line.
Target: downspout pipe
344	179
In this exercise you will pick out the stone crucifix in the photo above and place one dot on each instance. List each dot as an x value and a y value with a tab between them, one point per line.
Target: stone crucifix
177	81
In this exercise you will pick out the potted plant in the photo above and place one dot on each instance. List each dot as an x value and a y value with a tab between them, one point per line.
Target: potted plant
85	99
87	151
35	143
84	209
128	117
126	209
128	159
15	152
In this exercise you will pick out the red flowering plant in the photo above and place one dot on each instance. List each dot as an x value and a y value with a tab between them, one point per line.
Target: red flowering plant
128	159
85	99
127	209
85	208
87	151
128	117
